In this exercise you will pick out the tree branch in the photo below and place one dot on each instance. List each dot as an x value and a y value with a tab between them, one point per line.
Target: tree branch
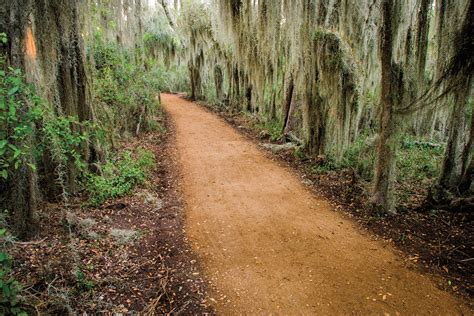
167	13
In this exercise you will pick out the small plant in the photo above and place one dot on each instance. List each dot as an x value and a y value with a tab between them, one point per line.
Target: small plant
65	132
361	157
3	38
20	108
299	153
418	160
329	164
118	179
83	283
123	89
273	127
9	287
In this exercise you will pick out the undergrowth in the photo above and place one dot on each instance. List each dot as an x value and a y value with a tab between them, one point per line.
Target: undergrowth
416	160
273	127
125	91
119	177
10	288
20	109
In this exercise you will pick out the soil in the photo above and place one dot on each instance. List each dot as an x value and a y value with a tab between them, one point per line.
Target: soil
438	242
75	264
268	243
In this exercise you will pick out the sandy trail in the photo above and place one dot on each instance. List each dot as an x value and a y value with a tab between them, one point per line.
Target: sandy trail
269	245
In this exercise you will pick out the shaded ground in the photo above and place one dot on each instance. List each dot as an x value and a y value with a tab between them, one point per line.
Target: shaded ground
129	255
268	244
436	241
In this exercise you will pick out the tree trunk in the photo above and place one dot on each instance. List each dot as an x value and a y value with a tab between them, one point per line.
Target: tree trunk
218	78
273	105
451	172
195	79
384	167
21	190
467	161
287	104
235	87
45	42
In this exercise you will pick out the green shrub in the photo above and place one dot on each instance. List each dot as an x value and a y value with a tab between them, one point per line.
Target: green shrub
273	127
418	160
329	164
82	282
9	287
66	135
124	90
20	109
361	157
119	178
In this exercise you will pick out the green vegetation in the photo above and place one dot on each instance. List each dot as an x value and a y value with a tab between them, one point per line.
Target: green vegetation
419	160
119	177
273	127
83	283
64	135
361	156
416	160
19	110
123	89
9	286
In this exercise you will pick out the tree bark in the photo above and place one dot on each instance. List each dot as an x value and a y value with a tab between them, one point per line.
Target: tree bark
45	42
167	13
21	190
384	167
451	171
218	78
287	104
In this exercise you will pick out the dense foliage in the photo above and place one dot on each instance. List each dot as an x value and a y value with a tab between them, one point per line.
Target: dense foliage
119	177
63	117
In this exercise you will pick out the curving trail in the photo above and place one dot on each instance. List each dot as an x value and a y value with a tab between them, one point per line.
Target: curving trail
269	245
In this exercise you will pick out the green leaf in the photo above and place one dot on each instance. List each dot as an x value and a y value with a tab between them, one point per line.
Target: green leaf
32	166
3	143
3	257
3	38
13	90
6	291
16	154
3	231
13	147
12	111
4	174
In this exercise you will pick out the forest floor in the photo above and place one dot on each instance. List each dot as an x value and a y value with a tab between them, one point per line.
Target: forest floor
129	255
268	243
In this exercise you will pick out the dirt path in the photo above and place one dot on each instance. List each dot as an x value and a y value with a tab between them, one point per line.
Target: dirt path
269	245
